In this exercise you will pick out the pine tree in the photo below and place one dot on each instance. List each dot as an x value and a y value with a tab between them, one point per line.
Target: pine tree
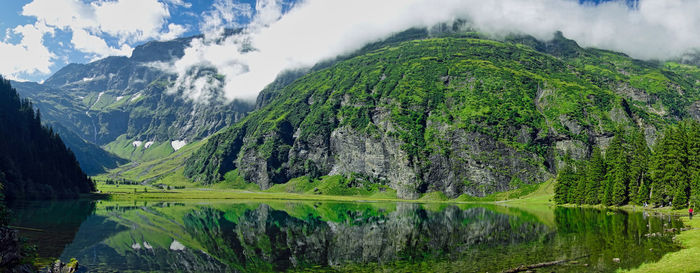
580	191
669	169
616	180
638	192
605	193
620	179
566	179
595	175
681	177
662	165
693	148
644	193
657	173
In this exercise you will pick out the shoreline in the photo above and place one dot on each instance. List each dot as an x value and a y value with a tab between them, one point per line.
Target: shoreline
683	260
687	259
204	194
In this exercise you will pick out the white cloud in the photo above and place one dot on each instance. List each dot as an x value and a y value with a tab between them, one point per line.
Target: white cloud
224	14
267	12
128	21
657	29
29	55
315	30
86	42
174	31
8	34
179	3
61	13
197	70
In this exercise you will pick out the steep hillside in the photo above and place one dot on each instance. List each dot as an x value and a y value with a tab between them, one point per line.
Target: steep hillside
34	163
457	115
123	105
56	107
117	108
92	158
456	29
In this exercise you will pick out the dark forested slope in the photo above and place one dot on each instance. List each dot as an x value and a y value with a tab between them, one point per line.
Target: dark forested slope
34	162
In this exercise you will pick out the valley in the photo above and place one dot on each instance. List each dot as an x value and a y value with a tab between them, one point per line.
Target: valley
308	136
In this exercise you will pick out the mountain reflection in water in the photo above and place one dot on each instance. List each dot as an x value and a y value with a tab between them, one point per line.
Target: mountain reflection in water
108	236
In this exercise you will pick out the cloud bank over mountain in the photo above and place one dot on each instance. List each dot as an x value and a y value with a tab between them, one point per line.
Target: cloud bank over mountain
315	30
287	34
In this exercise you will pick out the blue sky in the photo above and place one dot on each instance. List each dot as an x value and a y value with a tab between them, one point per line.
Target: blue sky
69	31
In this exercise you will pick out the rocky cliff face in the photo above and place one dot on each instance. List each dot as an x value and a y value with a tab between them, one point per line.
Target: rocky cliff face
456	115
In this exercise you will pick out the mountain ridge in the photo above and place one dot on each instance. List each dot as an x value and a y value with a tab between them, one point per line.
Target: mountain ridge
557	106
123	105
592	92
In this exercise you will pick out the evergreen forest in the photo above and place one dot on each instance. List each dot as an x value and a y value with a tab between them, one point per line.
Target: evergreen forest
34	162
629	172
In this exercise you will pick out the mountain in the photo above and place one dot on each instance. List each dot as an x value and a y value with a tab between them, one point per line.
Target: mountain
34	162
122	104
456	29
453	114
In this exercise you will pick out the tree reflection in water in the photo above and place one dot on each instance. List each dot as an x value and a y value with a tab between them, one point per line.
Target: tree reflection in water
329	236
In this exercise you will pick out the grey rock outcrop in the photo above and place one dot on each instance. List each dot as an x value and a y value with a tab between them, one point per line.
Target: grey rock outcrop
60	267
10	252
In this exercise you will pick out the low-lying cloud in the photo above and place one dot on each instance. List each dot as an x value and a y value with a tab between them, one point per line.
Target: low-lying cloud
315	30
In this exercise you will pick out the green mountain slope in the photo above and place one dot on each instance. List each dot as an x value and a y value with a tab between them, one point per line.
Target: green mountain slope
457	115
34	162
123	105
120	106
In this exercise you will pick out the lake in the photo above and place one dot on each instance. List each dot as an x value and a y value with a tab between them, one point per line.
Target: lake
303	236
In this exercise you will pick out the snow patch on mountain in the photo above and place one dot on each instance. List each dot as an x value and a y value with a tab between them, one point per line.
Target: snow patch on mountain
175	245
137	96
177	144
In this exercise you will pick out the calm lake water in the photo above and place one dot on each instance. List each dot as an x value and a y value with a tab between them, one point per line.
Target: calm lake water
255	236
